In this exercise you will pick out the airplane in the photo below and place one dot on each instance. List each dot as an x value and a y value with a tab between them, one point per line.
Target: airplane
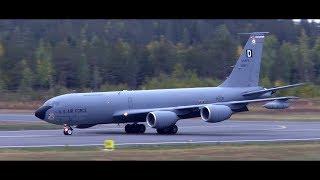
162	108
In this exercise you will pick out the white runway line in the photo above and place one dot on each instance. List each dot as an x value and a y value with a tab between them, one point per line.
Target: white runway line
231	141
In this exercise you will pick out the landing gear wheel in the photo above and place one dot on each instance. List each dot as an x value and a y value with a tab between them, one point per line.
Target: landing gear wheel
67	130
160	131
174	129
135	128
141	128
128	128
166	130
169	130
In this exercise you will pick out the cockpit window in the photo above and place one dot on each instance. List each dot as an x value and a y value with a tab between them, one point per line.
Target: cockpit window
47	103
51	103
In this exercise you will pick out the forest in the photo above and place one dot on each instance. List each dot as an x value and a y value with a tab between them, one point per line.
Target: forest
42	58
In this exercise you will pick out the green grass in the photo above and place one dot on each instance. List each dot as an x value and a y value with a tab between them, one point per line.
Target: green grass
257	151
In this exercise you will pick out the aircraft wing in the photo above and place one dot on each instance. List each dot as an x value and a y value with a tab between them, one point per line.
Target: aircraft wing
256	100
260	92
182	110
146	111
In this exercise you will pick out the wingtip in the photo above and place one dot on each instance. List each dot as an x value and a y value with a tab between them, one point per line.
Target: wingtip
301	84
293	97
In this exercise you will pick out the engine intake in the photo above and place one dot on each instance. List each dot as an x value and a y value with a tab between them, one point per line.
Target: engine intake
161	119
215	113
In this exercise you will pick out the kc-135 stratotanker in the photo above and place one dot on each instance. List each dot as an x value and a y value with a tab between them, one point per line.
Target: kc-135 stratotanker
162	108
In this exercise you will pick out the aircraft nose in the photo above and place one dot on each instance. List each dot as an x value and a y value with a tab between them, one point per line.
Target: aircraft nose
41	112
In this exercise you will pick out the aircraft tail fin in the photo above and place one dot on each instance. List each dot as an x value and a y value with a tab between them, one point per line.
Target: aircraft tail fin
246	72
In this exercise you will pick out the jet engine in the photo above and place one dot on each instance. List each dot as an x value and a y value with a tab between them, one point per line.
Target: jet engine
215	113
277	104
161	119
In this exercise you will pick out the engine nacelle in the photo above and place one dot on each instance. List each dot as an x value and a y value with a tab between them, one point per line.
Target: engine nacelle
215	113
161	119
277	104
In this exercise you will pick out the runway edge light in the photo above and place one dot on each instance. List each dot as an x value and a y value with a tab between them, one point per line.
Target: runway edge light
109	144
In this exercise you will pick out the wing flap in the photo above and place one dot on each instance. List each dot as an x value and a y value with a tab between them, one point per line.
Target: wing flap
271	89
257	100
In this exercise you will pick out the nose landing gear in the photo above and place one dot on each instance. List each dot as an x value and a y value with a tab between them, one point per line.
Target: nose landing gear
67	130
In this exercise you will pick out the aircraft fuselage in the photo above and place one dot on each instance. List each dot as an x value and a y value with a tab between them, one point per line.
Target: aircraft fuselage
99	107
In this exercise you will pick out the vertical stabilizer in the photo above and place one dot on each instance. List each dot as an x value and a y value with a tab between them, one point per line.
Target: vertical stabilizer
246	72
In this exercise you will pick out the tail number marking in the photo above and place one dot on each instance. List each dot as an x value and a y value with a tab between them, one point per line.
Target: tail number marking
249	53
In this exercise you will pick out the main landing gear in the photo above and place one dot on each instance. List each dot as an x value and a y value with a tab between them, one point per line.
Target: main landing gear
135	128
169	130
67	130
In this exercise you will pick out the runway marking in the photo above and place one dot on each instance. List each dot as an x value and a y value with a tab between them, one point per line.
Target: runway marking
172	142
27	136
230	141
279	127
269	129
301	130
121	128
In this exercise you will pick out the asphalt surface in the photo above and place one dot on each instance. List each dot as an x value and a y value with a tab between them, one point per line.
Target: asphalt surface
18	117
190	131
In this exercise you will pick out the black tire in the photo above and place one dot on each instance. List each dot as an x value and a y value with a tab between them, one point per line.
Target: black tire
167	130
128	128
141	128
67	131
174	129
160	131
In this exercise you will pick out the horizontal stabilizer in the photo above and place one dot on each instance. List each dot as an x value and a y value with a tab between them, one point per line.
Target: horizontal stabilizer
259	92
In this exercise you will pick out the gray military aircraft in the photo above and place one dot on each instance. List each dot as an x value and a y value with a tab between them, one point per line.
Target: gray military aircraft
162	108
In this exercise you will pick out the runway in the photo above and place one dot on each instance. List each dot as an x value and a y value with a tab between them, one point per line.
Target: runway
191	131
18	117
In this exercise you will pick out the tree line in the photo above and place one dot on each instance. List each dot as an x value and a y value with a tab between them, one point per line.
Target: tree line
42	58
